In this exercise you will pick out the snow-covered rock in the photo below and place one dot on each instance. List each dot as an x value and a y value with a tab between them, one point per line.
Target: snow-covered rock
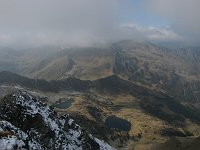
28	123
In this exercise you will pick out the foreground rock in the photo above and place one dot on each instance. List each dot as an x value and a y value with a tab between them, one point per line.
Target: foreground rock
28	123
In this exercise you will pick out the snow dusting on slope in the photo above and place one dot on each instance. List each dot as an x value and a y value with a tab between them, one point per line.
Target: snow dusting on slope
65	133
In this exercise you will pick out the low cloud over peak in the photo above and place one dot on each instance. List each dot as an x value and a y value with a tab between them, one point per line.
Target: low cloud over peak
182	14
26	23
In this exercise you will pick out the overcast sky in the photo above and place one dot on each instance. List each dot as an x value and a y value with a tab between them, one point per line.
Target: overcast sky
84	22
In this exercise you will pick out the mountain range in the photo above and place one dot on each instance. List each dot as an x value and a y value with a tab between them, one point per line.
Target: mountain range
152	90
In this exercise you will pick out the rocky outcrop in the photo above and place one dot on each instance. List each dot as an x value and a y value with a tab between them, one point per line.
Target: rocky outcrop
122	63
28	123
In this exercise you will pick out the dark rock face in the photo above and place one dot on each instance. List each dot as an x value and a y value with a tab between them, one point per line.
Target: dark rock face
35	126
136	62
122	63
191	53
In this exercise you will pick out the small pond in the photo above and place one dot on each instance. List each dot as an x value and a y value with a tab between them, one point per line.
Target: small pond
118	123
63	104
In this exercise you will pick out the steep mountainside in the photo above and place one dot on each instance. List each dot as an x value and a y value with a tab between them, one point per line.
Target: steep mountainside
160	68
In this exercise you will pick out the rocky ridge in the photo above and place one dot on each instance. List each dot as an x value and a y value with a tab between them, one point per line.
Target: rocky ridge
28	123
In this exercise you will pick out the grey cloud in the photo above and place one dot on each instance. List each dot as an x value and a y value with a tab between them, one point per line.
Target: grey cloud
150	33
183	15
27	23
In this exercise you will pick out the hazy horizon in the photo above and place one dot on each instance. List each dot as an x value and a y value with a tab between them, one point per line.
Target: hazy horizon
65	23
